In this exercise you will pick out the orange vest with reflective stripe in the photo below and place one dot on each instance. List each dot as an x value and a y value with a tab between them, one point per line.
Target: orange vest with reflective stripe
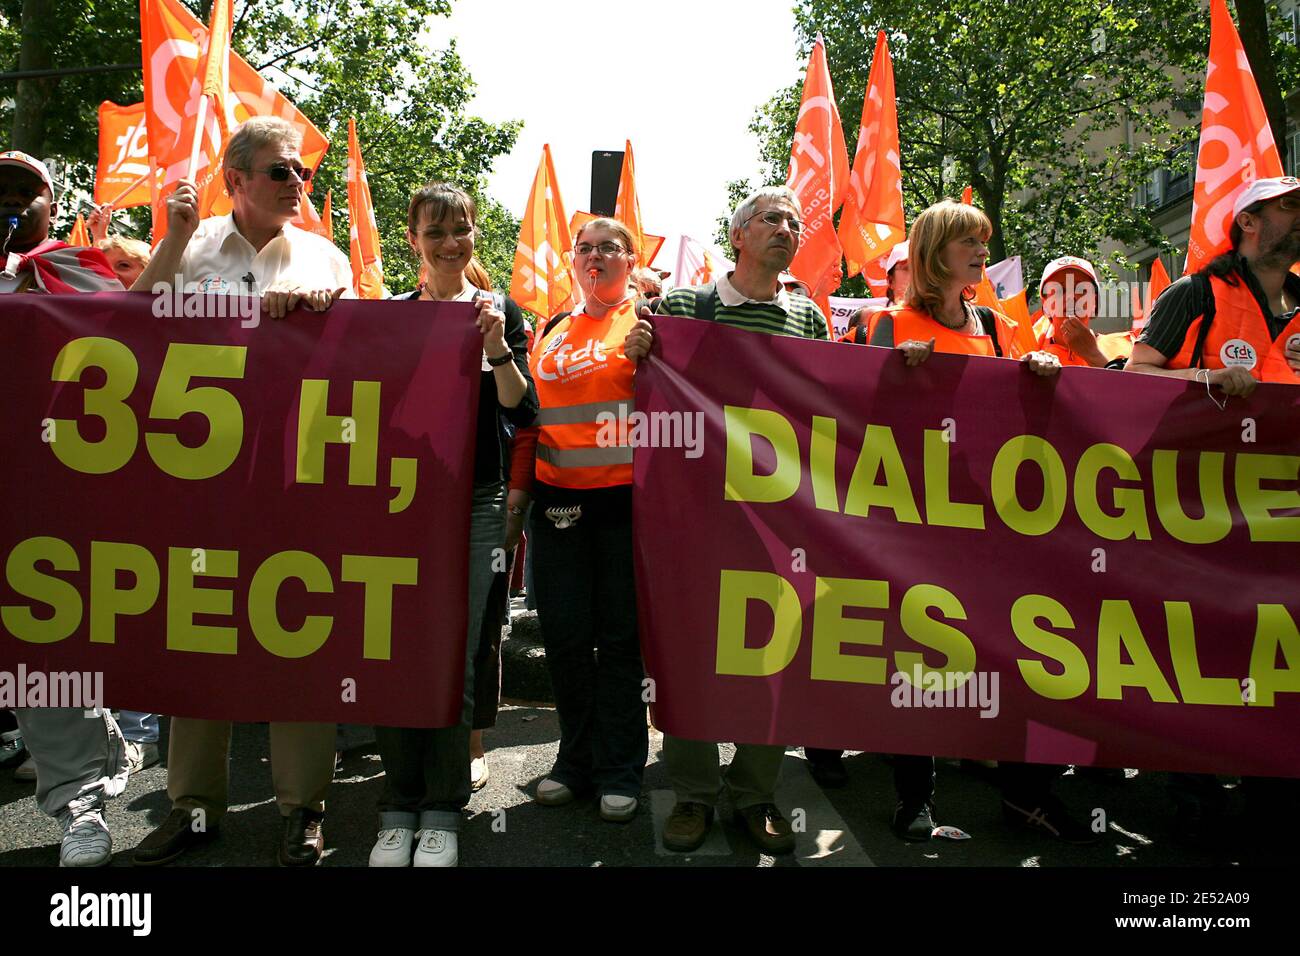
1113	345
1238	335
912	323
584	385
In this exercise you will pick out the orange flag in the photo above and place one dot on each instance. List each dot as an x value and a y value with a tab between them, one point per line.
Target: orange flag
80	235
1236	142
872	222
542	279
1142	309
122	175
327	215
172	43
627	209
968	196
363	244
310	221
1016	308
819	176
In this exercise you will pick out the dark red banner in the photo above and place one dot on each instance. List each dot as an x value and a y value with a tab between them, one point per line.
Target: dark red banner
239	519
964	559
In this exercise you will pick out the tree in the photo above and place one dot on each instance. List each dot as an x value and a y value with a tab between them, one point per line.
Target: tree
333	59
1016	100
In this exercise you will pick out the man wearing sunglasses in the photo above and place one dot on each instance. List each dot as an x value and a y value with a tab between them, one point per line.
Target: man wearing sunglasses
254	250
1236	322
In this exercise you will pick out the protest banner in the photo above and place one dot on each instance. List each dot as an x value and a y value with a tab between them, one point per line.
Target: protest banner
239	520
842	309
964	558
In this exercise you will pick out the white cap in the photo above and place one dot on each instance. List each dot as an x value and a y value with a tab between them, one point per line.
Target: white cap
1262	190
1068	262
30	163
896	255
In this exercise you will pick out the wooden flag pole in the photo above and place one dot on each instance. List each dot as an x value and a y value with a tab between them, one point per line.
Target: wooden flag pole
201	121
123	194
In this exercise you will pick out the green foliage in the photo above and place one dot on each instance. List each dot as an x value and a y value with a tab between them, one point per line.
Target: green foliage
1027	102
333	59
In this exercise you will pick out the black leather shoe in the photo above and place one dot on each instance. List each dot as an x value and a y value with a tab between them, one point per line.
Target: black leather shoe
827	769
177	834
913	822
303	842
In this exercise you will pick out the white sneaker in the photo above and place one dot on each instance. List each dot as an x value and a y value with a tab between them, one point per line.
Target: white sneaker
617	809
552	793
393	848
437	848
478	773
140	755
26	770
86	840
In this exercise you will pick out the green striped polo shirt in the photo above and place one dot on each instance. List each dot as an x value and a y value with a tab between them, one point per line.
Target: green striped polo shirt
788	314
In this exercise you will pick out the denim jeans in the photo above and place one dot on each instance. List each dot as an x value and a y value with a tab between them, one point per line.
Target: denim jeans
586	605
137	727
426	770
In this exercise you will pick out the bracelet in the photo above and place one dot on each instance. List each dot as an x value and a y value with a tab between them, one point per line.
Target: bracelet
1196	377
501	360
517	511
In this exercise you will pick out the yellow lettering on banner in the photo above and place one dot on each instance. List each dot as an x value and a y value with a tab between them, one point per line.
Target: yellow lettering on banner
737	589
173	399
27	581
379	575
1131	522
821	459
316	429
1257	503
1194	688
741	484
832	630
1216	522
1118	632
107	600
958	651
880	452
121	433
184	600
1002	486
1275	631
265	589
1075	675
940	509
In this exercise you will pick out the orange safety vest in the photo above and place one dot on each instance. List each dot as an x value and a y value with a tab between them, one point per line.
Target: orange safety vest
1113	345
912	323
584	385
1238	335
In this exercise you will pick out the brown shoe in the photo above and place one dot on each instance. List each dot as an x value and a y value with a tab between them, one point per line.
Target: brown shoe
179	832
687	826
767	828
303	842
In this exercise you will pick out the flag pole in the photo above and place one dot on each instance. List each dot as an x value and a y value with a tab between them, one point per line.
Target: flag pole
123	194
201	121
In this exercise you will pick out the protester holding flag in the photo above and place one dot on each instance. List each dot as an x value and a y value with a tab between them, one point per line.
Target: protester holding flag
427	782
765	232
1069	291
581	533
255	249
1235	322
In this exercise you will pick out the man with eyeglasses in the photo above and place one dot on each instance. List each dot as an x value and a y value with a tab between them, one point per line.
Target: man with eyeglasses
255	250
765	232
1235	323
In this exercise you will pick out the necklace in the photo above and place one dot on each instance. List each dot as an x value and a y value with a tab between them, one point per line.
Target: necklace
433	298
965	320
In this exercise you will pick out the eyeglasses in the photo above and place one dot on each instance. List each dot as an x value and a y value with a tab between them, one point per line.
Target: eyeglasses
604	248
1285	203
280	172
774	219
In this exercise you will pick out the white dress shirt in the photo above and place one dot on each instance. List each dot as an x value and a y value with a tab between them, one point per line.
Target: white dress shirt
220	260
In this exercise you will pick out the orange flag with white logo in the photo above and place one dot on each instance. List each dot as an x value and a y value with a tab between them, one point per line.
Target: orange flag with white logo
363	244
542	279
1142	309
172	44
80	235
819	176
1236	141
872	222
122	174
627	209
309	220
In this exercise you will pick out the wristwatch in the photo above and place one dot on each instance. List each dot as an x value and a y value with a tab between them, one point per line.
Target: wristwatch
501	360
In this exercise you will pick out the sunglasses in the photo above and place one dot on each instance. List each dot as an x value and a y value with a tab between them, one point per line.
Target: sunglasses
280	172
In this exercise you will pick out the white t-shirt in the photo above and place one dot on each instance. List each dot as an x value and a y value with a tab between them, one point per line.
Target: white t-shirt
219	259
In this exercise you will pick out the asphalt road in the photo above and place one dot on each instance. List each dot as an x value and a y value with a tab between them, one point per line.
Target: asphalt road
846	827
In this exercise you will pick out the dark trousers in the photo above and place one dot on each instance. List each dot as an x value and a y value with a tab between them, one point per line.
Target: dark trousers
1019	782
586	605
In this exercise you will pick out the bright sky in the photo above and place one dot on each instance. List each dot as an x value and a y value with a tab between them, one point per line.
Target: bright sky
680	78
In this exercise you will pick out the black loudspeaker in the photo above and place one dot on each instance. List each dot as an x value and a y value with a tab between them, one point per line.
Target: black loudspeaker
606	168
